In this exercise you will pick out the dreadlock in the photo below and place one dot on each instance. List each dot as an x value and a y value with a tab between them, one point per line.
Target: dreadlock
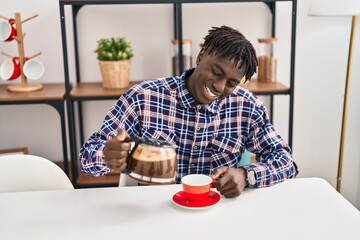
228	43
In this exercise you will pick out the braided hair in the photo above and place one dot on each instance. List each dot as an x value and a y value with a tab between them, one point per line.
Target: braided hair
228	43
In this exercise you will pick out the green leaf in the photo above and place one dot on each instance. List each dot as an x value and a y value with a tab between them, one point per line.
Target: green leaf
110	49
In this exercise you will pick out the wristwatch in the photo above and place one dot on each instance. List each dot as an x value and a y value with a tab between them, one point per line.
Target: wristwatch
250	178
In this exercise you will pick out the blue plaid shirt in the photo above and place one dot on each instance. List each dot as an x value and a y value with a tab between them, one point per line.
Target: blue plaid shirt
207	135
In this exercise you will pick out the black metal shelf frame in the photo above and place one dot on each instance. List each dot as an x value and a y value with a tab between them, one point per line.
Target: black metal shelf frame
177	14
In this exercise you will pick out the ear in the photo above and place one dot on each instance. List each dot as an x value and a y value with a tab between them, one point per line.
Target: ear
200	56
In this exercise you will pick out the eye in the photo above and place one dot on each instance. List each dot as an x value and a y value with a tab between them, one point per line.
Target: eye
232	83
217	73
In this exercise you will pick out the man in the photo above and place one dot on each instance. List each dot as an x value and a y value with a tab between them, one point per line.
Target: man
206	114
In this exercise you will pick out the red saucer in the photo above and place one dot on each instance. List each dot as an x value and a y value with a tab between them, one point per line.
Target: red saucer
180	200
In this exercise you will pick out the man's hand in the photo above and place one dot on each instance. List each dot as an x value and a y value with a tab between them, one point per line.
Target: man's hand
230	182
116	151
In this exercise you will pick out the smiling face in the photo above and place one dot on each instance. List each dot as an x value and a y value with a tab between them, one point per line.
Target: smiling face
213	78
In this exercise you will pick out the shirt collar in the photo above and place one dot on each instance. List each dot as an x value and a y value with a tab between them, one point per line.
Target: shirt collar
186	100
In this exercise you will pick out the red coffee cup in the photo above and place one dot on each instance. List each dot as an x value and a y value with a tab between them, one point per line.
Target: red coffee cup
10	69
7	30
196	187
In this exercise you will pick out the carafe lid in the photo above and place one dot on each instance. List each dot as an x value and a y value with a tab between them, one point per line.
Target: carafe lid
153	142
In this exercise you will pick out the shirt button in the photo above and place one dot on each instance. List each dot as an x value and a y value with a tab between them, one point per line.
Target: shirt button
198	128
195	147
193	165
230	148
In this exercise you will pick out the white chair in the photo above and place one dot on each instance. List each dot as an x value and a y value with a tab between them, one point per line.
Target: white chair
20	173
126	181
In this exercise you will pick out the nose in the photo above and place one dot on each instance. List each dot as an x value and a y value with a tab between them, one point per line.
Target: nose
219	85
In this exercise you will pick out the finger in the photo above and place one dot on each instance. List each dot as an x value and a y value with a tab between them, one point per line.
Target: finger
226	186
224	180
115	144
122	135
113	154
114	166
116	163
118	168
231	192
218	172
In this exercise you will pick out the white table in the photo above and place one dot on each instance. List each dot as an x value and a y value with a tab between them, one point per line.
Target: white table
306	208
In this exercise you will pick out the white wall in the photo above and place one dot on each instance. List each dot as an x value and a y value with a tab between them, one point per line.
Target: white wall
321	54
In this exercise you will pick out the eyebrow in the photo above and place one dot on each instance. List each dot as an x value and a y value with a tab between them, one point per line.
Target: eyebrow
219	67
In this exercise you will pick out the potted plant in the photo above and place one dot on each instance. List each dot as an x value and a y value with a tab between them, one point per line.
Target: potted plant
114	56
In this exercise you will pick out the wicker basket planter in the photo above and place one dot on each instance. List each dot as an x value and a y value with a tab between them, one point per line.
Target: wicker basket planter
115	74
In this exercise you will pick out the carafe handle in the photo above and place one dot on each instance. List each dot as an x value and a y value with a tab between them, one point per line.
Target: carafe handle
128	160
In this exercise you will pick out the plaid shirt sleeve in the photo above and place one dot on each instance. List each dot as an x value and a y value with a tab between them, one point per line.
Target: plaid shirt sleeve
121	115
274	161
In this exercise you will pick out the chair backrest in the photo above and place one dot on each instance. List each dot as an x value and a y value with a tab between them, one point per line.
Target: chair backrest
126	181
20	173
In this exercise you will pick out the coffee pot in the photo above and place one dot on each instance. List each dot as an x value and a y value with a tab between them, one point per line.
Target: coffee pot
152	161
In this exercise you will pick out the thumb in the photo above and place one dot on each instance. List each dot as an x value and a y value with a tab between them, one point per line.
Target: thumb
121	135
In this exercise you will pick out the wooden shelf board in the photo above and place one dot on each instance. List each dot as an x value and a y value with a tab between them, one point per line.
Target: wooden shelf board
95	89
265	87
50	91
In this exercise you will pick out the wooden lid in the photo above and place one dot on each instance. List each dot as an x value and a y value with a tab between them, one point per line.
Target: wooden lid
184	41
267	40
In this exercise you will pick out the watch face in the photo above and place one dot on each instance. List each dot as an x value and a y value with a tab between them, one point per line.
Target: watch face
251	178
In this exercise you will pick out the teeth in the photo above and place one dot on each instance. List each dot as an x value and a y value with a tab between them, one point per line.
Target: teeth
210	93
